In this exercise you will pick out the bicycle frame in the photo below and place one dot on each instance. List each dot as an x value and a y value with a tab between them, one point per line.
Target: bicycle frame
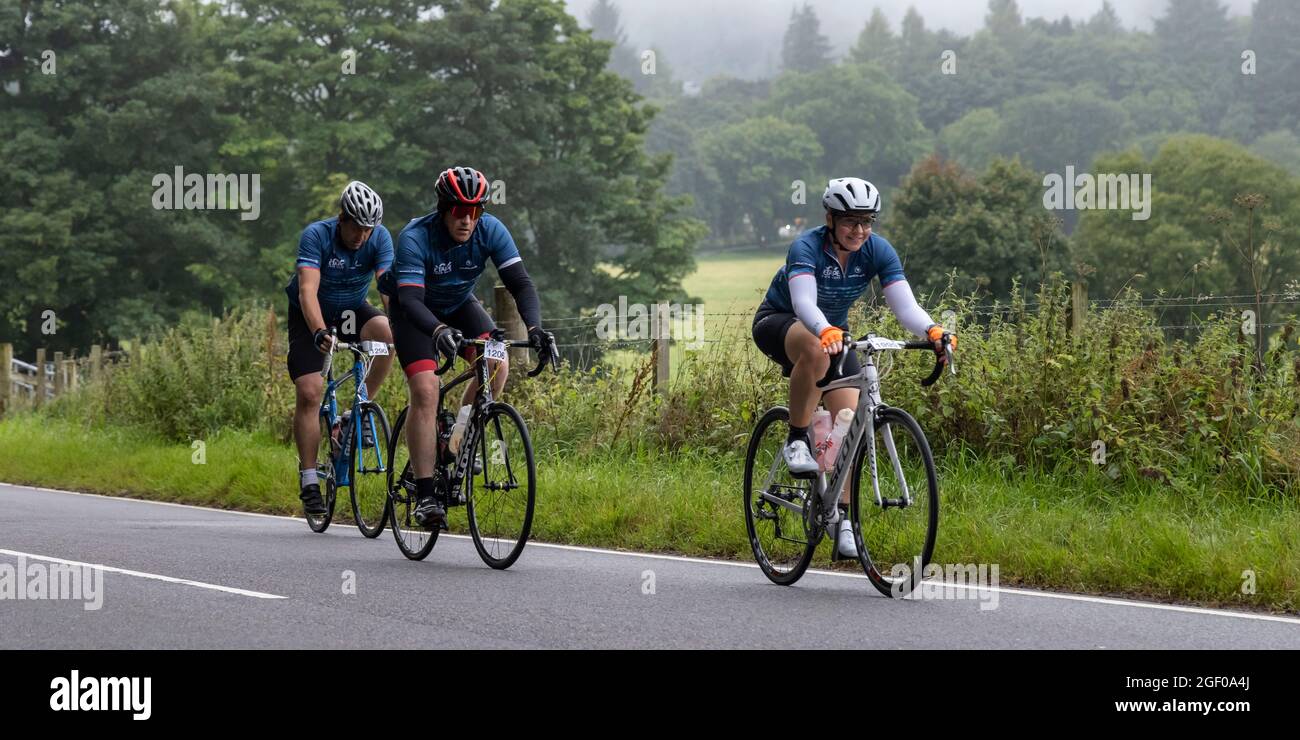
362	360
861	431
482	399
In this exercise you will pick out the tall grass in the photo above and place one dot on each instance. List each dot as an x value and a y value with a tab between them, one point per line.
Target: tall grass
1122	400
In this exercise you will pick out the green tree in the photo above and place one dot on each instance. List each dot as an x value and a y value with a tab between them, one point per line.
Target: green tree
133	92
989	228
804	48
876	45
1280	147
1195	40
606	25
1186	248
1054	129
1275	90
757	161
974	140
863	121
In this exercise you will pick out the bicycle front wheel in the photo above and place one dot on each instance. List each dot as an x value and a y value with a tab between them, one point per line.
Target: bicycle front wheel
896	531
778	507
413	540
325	454
370	465
500	499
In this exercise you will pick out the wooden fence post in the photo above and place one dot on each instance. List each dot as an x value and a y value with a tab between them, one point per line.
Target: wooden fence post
1078	307
70	370
96	361
663	330
41	383
6	380
59	378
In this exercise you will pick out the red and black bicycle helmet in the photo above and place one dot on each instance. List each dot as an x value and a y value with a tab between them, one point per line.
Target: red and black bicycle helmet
461	186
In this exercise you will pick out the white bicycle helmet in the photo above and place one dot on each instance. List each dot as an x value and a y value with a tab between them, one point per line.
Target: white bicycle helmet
851	194
362	204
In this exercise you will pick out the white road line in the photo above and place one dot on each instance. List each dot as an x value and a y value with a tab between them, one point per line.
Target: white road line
140	574
1103	600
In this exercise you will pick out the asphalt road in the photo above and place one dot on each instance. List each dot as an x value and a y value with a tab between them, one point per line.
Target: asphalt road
189	577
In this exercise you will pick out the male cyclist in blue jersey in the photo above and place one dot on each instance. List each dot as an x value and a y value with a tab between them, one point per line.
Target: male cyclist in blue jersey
802	321
337	258
439	258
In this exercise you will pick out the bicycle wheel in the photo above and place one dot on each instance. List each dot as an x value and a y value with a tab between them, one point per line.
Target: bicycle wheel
499	501
325	453
368	488
778	506
413	540
896	540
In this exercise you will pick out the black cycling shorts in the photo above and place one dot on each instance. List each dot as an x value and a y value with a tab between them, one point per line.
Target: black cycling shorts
415	348
303	356
770	327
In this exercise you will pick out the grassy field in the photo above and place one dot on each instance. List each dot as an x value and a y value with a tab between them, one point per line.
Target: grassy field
1078	535
729	285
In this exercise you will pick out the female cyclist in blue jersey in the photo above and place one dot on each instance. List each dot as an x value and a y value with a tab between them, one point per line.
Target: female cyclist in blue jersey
802	321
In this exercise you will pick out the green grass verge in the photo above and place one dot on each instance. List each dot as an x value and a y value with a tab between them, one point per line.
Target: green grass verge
1076	534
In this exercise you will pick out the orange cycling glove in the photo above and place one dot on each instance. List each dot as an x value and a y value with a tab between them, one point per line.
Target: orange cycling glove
831	335
936	333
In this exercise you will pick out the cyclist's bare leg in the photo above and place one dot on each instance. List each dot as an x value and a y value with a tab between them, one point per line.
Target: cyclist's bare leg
306	418
377	330
498	372
810	365
421	433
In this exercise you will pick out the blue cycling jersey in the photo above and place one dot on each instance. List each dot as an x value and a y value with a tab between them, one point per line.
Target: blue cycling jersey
344	273
837	287
427	257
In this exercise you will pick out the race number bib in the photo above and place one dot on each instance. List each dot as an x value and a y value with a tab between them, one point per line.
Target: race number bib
495	350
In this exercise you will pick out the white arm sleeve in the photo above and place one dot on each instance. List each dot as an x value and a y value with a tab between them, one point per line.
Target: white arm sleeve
898	295
803	294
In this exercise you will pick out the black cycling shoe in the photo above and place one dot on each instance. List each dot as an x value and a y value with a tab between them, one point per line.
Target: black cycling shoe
429	512
312	502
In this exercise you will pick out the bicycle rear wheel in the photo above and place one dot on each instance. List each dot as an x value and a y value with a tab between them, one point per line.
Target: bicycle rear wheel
368	487
500	500
413	540
325	454
778	506
895	538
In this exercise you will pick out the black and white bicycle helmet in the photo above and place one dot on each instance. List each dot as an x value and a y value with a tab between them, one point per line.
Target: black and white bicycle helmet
362	204
851	195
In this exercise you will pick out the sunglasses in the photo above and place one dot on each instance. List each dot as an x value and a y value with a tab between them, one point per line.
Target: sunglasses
460	211
851	224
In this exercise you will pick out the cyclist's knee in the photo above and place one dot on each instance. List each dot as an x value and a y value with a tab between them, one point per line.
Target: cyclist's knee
424	390
377	330
309	389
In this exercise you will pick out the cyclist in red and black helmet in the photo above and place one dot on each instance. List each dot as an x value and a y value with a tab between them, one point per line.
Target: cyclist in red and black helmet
438	259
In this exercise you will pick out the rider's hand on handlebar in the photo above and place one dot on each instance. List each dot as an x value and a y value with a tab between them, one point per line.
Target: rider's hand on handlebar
446	342
324	340
544	342
935	334
832	340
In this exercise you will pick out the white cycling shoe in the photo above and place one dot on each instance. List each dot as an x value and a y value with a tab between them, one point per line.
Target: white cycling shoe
844	543
799	460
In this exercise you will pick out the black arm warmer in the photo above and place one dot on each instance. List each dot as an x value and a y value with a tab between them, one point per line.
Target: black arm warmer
516	280
411	299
